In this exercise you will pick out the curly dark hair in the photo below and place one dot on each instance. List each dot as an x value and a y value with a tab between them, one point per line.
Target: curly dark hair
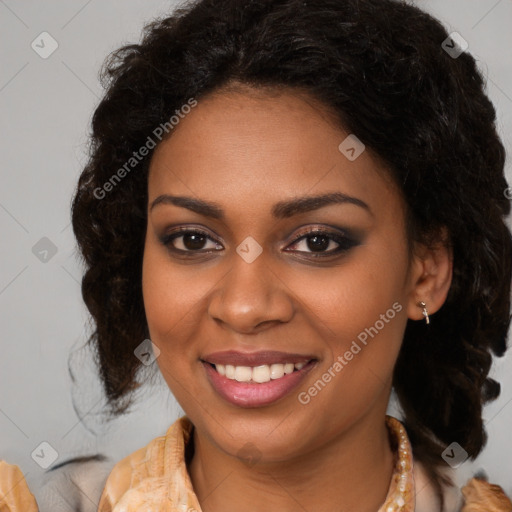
380	68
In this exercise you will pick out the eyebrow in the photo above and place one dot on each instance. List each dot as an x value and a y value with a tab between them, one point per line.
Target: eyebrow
281	210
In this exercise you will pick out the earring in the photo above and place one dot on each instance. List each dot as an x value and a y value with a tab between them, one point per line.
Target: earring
425	312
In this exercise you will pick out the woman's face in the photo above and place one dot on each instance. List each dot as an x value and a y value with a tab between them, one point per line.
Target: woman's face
254	289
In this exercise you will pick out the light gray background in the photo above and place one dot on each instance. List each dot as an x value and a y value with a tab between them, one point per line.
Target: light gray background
46	108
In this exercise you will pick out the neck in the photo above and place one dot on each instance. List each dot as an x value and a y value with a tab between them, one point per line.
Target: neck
352	472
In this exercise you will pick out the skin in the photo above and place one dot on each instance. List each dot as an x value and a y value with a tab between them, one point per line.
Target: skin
247	150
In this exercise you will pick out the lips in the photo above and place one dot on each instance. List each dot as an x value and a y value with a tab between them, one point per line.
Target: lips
245	379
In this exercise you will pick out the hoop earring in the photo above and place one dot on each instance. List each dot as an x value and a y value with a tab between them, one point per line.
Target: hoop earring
425	312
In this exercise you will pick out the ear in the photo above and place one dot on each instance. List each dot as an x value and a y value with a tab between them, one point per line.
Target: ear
430	276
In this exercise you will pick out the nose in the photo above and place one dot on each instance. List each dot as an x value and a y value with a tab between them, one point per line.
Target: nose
251	297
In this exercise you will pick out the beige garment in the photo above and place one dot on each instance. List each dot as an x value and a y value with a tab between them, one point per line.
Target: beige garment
154	478
15	495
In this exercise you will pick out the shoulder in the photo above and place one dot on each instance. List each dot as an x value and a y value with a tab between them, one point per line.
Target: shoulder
482	496
15	495
130	471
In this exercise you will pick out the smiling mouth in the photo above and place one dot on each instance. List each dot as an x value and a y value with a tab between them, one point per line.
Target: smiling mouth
250	383
258	374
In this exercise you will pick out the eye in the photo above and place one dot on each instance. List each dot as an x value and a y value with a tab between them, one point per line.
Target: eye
321	243
317	242
189	240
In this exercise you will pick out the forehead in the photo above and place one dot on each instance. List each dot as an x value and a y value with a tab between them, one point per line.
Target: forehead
257	147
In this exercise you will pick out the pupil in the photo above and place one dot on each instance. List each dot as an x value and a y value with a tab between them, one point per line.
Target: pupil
318	243
193	241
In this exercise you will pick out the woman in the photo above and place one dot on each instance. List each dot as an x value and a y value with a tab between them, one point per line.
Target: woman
295	207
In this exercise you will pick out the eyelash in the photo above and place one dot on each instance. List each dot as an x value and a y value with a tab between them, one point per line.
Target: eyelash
345	243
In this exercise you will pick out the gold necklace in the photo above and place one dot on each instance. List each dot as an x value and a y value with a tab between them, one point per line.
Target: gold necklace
400	496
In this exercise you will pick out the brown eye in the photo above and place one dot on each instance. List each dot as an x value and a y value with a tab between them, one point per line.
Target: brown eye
320	243
189	240
193	241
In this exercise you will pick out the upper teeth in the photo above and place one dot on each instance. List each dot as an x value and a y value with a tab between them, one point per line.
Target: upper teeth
259	374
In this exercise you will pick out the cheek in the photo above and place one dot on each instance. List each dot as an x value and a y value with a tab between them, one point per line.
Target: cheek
351	297
171	298
171	302
360	314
